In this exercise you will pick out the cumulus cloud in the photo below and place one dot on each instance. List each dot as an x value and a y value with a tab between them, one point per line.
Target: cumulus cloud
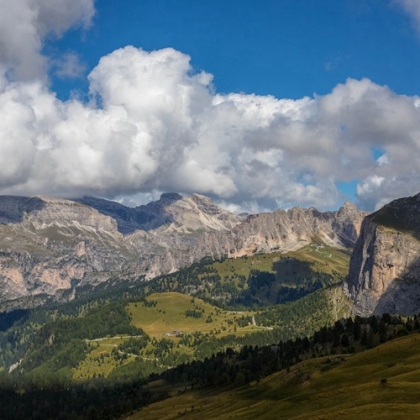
25	24
412	8
69	66
153	124
375	191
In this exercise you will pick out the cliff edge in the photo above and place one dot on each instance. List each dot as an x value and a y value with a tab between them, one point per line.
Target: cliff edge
384	275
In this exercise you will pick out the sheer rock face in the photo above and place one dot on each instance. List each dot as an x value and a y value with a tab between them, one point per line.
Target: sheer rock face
292	229
51	246
385	265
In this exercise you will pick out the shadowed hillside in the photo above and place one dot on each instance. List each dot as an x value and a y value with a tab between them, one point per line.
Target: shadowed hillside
381	383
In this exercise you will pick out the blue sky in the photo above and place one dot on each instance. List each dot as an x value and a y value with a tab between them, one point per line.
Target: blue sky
285	48
258	104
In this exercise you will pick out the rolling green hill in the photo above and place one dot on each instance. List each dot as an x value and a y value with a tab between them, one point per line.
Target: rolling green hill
381	383
179	325
121	335
319	257
166	314
322	374
174	323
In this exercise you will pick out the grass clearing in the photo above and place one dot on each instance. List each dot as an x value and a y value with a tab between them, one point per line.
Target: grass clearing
168	316
100	361
172	315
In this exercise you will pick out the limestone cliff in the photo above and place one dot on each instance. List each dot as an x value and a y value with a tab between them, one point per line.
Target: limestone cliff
385	265
287	230
53	246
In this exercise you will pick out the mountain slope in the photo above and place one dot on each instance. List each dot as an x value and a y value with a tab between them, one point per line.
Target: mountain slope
294	228
344	386
385	266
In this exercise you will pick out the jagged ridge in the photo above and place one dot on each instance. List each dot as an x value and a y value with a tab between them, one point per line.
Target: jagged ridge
52	246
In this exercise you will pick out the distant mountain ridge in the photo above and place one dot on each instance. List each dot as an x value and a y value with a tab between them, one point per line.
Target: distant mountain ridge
51	246
194	212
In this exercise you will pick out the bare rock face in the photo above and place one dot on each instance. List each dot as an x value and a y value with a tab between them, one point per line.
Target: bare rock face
384	272
51	246
287	230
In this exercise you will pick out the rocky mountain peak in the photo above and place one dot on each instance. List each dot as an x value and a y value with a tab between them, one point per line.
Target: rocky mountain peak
198	198
347	209
169	197
175	213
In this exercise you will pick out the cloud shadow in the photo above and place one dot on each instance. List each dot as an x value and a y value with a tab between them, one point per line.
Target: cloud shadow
147	217
13	208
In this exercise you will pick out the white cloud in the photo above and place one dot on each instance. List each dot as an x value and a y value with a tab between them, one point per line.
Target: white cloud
412	8
154	125
69	66
24	24
375	191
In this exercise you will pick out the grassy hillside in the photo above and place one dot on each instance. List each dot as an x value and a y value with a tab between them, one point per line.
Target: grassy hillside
320	258
170	312
259	280
380	383
174	328
100	360
175	324
315	377
178	325
181	328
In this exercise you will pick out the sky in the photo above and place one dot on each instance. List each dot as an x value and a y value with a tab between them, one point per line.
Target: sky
258	104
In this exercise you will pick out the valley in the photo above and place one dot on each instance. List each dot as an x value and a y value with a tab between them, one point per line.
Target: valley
209	210
269	324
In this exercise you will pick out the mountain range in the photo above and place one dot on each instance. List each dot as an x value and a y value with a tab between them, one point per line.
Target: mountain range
49	247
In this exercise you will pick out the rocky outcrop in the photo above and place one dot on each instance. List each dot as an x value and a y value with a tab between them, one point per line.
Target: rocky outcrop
286	230
52	246
384	274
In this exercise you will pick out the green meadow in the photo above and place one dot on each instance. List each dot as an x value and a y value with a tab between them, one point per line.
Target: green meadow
99	361
162	316
169	314
381	383
172	315
314	258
